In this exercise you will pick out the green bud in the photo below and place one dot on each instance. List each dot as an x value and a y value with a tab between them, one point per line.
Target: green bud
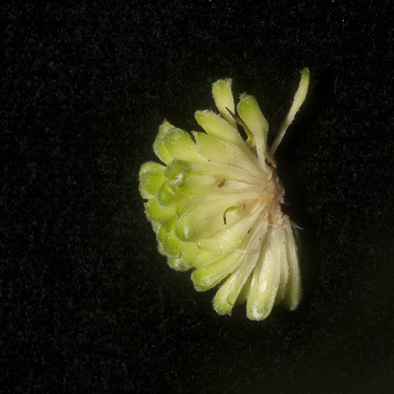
166	225
172	244
176	171
157	212
159	146
167	194
177	263
151	178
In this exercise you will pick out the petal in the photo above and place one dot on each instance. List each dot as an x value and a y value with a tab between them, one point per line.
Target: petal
233	288
208	276
229	292
230	238
205	220
180	145
203	184
251	115
227	171
292	296
284	266
227	152
197	257
265	279
192	204
216	126
223	96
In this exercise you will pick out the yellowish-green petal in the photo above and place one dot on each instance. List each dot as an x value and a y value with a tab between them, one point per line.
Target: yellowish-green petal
265	279
223	96
192	204
250	113
293	292
206	220
228	293
227	152
283	265
230	238
210	275
218	127
197	257
180	145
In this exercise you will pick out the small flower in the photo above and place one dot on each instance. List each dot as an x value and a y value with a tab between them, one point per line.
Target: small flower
215	205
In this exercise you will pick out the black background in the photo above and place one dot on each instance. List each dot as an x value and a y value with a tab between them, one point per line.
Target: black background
87	302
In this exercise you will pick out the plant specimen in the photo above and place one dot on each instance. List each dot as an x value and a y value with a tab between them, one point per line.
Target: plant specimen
215	204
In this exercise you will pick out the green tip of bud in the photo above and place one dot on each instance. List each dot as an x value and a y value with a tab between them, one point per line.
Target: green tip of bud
166	195
176	172
151	178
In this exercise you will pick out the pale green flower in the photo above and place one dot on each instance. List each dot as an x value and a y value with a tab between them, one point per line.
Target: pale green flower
215	205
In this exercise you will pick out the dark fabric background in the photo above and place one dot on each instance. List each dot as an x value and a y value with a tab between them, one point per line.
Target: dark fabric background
87	302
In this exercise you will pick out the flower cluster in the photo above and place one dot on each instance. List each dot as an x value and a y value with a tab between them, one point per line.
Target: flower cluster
215	205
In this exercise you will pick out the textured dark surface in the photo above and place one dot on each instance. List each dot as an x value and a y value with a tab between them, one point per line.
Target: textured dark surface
87	302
